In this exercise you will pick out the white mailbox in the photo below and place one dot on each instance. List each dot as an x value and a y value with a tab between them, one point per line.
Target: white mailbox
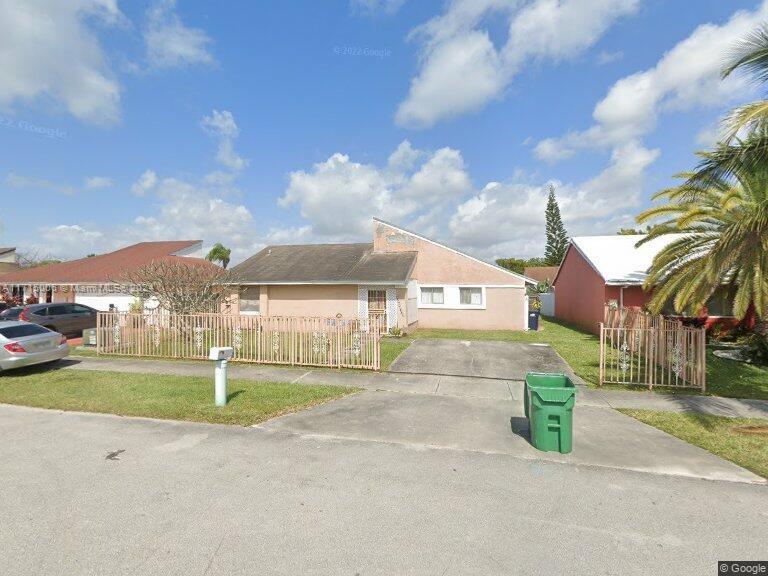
221	355
224	353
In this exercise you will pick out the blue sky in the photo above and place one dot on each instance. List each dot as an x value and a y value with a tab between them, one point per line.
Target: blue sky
297	121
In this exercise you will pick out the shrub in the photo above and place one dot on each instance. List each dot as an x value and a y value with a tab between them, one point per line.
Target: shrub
757	345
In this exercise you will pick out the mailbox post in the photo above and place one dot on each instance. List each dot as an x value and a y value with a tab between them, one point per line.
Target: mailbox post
221	356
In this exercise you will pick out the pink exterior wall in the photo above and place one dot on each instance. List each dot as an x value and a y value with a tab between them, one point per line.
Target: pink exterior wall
633	297
436	264
310	300
503	311
579	293
305	300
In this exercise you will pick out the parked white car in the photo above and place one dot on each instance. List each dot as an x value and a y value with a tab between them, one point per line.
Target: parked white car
24	344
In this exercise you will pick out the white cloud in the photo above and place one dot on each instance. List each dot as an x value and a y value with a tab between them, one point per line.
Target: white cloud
460	75
508	219
181	209
48	51
221	125
338	196
461	69
686	77
171	44
375	7
605	58
68	239
98	182
146	182
187	211
31	183
432	192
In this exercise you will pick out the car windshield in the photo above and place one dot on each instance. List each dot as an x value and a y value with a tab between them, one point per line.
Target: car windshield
23	330
11	313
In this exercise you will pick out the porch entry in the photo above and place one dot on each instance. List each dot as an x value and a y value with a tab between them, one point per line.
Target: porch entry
377	306
378	302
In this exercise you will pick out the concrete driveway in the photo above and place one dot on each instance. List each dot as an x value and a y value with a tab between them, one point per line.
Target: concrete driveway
478	359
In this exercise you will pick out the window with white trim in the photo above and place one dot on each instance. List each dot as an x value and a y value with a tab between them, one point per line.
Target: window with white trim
432	296
470	296
250	300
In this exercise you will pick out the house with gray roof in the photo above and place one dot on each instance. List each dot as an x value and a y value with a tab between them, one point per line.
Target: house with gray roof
402	277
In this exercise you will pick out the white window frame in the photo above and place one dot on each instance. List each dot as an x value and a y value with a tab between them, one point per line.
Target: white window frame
482	295
430	304
452	297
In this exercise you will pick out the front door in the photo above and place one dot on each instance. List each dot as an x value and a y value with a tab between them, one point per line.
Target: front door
377	307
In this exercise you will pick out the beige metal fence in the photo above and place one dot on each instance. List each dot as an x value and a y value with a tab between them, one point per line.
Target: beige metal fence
642	349
299	341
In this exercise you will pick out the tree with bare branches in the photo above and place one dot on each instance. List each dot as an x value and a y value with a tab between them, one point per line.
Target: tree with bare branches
181	287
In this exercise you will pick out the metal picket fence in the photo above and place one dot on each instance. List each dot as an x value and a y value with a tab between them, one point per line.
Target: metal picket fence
643	349
298	341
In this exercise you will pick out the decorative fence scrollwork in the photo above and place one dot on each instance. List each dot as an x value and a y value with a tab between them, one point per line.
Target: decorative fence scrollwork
300	341
642	349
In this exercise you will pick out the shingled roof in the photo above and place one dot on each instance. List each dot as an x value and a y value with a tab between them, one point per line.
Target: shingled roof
325	264
104	268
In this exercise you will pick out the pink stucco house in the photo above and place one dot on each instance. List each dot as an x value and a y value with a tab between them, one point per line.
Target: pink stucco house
402	276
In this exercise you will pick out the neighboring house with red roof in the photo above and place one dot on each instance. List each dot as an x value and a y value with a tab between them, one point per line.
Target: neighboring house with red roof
96	281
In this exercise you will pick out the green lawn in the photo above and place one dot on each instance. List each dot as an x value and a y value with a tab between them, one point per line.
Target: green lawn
715	434
159	396
736	379
582	351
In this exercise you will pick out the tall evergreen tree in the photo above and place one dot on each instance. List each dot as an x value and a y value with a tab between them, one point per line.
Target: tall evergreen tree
557	237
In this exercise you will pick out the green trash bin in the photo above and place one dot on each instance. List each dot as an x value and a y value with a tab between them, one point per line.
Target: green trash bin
548	404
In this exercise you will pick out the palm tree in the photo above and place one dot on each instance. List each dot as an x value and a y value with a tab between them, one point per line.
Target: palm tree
723	222
749	55
219	254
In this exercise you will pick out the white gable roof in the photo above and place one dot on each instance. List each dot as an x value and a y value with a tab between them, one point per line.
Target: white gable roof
617	259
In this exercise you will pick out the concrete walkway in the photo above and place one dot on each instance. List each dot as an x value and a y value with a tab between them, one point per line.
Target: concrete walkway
432	384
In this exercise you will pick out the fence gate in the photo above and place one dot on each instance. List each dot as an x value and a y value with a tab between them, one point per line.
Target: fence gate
637	348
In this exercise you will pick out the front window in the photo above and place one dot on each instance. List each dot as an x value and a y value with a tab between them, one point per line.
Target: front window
432	296
471	296
720	303
250	300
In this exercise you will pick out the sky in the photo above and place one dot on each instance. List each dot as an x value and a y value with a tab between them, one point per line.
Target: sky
256	123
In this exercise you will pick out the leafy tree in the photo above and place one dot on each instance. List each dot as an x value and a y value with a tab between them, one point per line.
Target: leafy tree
633	231
557	237
724	222
518	265
219	254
